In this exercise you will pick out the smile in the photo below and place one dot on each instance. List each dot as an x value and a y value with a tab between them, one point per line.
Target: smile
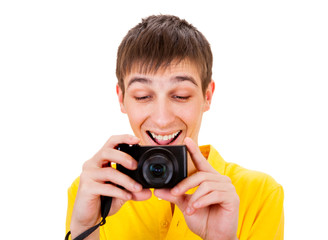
164	139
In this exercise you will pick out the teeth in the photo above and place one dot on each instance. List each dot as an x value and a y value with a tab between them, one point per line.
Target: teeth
164	137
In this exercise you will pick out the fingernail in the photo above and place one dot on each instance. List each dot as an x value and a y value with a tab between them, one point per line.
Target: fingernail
128	196
137	187
196	204
135	138
175	191
189	210
134	165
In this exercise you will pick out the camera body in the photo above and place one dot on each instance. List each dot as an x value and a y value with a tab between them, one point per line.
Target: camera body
158	166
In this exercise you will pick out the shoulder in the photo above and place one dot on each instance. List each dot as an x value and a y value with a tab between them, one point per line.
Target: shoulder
72	190
250	180
246	181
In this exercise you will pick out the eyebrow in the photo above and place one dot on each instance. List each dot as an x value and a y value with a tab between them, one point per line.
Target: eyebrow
184	78
140	80
178	78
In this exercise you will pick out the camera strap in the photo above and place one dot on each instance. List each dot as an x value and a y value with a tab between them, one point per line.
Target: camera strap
106	203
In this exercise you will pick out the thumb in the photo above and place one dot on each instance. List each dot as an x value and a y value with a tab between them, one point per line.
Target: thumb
180	201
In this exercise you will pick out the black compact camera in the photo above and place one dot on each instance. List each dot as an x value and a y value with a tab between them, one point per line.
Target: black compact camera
158	166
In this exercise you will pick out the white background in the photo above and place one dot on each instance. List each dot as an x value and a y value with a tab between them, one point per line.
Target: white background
58	103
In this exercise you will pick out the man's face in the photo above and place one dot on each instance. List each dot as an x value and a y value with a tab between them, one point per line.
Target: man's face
166	106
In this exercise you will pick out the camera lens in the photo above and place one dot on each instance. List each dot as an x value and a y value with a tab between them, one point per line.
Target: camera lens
157	170
157	167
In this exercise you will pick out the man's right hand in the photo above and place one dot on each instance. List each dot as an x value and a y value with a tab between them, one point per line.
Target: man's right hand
95	174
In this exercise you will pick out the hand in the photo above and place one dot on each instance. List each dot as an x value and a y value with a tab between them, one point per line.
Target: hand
212	210
95	174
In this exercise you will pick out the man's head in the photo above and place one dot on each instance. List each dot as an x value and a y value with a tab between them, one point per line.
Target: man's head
158	41
164	73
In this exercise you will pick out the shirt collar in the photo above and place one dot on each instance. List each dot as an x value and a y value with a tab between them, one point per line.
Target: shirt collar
214	158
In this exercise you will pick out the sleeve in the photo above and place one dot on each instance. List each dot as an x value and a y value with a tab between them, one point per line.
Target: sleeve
269	221
72	191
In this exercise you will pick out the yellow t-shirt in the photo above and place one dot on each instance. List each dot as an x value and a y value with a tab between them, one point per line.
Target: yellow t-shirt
261	214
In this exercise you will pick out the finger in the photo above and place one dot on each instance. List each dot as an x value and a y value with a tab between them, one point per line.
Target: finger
114	176
106	189
193	181
180	201
116	156
197	157
227	200
144	194
206	188
108	153
166	195
114	140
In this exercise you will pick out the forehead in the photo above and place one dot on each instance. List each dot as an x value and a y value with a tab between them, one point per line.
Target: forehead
175	72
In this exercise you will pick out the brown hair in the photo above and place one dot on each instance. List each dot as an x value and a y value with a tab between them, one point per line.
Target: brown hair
157	41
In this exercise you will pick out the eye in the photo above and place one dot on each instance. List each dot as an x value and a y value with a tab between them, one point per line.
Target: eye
143	98
182	98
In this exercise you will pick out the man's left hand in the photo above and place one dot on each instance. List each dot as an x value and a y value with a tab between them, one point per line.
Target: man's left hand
212	210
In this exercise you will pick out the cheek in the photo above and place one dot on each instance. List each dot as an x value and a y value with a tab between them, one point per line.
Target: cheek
191	114
136	116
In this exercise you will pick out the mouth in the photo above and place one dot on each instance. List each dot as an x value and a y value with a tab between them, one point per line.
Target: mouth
164	139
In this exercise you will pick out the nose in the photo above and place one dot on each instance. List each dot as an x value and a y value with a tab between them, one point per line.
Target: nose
163	114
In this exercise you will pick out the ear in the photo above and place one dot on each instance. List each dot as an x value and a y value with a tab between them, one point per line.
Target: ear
120	96
208	95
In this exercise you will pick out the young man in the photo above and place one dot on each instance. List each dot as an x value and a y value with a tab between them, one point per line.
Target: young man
164	68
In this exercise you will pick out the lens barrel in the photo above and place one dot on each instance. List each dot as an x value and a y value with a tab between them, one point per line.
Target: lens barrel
157	169
157	166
